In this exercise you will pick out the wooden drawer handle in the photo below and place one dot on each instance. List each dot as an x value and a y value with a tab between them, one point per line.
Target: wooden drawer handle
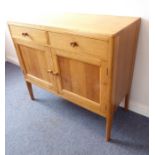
54	73
74	44
25	34
49	71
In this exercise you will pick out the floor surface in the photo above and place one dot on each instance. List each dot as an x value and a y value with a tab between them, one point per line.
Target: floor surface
51	125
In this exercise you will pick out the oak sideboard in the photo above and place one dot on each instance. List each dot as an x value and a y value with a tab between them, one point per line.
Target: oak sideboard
86	59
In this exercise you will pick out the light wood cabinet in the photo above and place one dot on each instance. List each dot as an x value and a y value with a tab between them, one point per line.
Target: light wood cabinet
90	63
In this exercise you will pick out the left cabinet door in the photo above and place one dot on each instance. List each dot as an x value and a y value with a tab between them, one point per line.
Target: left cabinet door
37	64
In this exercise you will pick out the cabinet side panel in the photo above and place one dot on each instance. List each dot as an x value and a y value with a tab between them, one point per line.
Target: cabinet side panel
125	44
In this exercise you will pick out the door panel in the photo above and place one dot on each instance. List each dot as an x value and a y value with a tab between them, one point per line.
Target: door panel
80	78
38	66
82	82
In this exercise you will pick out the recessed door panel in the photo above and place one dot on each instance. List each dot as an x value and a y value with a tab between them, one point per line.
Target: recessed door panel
38	65
80	78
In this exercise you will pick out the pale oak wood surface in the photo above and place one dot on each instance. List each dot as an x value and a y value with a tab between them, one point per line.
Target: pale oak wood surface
86	59
86	24
93	47
36	35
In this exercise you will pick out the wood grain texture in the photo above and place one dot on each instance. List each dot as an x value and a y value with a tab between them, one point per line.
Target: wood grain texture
86	59
79	56
90	25
93	47
123	63
84	82
35	35
80	78
37	60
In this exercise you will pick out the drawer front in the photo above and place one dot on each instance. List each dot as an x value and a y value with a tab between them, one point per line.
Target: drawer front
28	34
79	44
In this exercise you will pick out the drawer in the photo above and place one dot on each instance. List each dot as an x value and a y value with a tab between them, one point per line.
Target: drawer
28	34
79	44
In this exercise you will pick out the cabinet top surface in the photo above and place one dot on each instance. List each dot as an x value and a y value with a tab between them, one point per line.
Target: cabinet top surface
78	23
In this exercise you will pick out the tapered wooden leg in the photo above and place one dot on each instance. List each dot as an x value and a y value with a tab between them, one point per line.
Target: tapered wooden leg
29	86
127	102
108	127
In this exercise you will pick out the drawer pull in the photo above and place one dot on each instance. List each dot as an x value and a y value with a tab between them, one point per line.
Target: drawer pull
74	44
54	73
25	34
49	71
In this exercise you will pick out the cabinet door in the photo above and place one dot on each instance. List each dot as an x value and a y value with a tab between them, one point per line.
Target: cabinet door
82	80
37	64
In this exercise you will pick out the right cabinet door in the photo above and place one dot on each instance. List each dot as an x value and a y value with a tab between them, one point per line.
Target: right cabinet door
82	80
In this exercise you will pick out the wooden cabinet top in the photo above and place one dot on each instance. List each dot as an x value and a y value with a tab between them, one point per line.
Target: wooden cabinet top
85	24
